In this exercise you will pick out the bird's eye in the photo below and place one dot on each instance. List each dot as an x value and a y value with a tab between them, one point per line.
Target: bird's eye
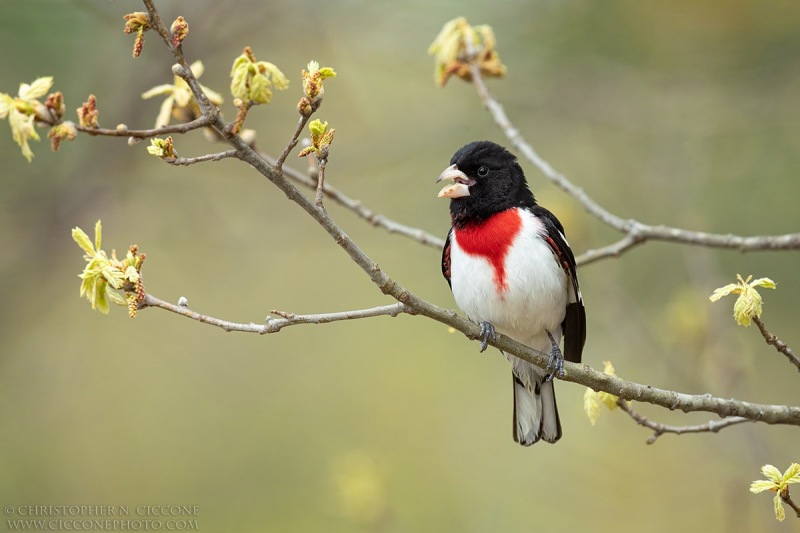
483	171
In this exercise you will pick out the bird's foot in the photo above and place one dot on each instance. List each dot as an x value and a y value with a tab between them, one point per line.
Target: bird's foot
555	365
487	332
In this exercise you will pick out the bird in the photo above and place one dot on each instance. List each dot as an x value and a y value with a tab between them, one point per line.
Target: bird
512	271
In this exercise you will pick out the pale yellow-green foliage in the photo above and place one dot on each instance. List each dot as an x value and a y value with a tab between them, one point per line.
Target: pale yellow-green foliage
749	303
777	483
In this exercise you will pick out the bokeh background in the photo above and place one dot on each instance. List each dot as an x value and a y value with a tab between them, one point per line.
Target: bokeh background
683	113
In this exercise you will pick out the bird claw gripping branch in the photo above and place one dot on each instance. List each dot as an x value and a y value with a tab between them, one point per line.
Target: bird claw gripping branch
487	332
555	364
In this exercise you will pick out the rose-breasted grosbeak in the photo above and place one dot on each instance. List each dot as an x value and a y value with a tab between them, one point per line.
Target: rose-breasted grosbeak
510	268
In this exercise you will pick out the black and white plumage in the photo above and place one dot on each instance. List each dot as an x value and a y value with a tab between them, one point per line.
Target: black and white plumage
511	269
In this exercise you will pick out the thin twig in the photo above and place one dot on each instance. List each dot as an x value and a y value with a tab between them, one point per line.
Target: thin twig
186	161
274	325
370	216
635	230
208	109
158	24
787	499
323	161
301	124
712	426
201	122
612	250
241	115
779	345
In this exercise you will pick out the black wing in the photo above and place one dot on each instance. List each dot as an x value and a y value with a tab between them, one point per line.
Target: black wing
446	257
573	327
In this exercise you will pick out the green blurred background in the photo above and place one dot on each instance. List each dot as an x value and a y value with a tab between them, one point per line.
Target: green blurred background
683	113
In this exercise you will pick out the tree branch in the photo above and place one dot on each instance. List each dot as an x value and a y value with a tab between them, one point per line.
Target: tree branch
158	24
208	109
712	426
787	499
186	161
635	231
777	343
320	193
201	122
370	216
274	325
301	123
612	250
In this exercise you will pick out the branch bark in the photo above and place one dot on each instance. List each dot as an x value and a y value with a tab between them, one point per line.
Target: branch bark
186	127
271	324
186	161
371	217
712	426
787	499
779	345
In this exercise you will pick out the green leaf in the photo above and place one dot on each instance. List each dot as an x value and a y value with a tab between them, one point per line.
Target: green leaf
317	128
213	96
109	273
164	112
763	282
760	485
80	237
278	79
239	63
609	400
86	286
116	297
101	301
239	81
22	129
792	474
158	90
197	68
591	405
259	89
780	514
723	291
6	103
749	305
98	234
36	89
326	72
131	274
772	473
161	147
183	94
155	149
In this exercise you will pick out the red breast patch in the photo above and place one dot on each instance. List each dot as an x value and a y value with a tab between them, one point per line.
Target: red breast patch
491	240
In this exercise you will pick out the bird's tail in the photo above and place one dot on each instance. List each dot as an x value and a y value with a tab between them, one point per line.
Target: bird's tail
535	411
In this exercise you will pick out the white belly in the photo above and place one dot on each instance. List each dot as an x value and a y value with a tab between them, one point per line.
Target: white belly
533	298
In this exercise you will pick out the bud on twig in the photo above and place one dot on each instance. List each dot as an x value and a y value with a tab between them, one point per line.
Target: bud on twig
87	113
179	29
137	22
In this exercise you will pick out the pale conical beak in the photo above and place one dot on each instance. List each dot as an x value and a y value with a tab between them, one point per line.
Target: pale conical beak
461	184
